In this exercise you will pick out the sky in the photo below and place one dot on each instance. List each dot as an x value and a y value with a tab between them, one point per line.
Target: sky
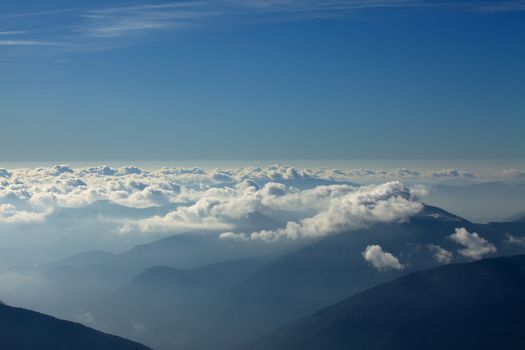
261	79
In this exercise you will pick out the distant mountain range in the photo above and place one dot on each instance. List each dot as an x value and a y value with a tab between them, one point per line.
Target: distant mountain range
85	279
188	250
518	218
184	309
195	291
480	202
22	329
184	304
478	305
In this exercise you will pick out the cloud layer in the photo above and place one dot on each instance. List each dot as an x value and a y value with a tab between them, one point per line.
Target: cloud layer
339	208
294	203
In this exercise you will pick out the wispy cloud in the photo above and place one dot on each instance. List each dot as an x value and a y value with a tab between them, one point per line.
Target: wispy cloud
39	13
107	27
27	43
122	21
128	20
12	32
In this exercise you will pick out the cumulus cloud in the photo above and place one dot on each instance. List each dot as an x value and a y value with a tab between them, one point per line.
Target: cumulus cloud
441	255
475	246
337	209
381	260
213	199
452	173
10	215
58	170
198	216
310	202
216	208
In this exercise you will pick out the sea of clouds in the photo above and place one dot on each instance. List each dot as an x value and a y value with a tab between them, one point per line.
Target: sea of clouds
52	212
308	202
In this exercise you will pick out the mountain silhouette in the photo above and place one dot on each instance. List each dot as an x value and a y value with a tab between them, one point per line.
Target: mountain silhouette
22	329
186	313
477	305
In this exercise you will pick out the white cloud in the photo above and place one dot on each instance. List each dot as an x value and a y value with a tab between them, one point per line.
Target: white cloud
234	236
519	240
102	170
475	246
310	202
195	217
12	32
9	214
27	43
126	20
58	170
339	208
441	255
451	173
98	28
381	260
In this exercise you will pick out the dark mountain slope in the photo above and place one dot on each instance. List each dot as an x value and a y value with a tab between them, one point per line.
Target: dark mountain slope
331	269
478	305
22	329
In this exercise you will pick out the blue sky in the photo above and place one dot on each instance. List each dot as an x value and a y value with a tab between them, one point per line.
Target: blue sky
261	79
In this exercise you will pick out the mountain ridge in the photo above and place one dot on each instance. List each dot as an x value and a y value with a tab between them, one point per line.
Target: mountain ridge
475	305
23	329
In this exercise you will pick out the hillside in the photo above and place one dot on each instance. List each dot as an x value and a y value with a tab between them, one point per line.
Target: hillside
22	329
477	305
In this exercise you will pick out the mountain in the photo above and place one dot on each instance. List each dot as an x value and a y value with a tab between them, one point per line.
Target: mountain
105	208
477	305
288	287
518	218
211	276
170	296
480	202
79	282
329	270
186	250
22	329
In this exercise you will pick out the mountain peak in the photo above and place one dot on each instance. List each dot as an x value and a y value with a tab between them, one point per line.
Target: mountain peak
437	213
